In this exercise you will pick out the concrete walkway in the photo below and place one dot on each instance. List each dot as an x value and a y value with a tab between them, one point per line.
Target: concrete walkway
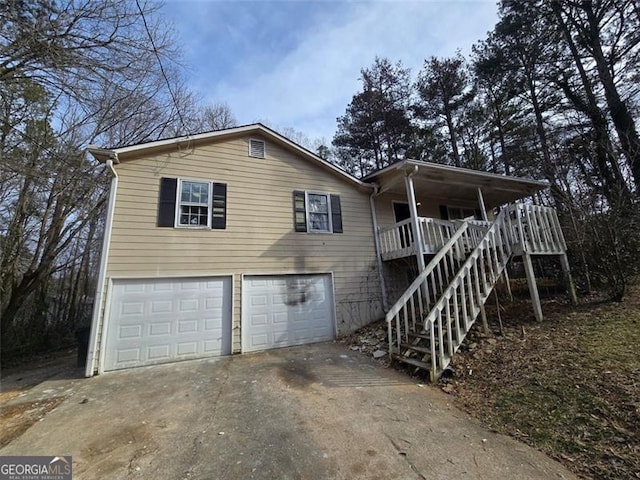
311	412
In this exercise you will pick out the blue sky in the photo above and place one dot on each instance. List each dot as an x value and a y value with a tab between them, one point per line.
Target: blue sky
296	64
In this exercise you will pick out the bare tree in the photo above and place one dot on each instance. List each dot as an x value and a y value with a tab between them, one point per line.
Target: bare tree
71	73
607	31
217	116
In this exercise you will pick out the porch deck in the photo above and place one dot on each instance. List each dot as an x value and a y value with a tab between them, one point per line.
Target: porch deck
533	230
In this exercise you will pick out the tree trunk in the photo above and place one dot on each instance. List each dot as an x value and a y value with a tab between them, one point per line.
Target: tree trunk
615	187
503	143
620	114
452	135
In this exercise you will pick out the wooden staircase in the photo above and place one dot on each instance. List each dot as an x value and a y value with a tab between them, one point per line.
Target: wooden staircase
428	323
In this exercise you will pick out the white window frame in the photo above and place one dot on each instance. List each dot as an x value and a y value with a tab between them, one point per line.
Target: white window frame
308	212
180	203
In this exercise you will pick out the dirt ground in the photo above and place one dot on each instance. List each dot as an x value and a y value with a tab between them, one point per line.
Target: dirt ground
18	379
569	386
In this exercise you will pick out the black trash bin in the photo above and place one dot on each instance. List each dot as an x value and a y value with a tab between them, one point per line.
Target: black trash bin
82	337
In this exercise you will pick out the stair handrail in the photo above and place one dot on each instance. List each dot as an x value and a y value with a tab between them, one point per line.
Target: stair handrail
457	240
440	360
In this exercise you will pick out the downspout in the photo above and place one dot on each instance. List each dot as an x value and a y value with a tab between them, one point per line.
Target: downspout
102	273
376	241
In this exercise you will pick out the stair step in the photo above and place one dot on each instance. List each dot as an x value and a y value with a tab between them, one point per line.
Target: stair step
416	348
435	327
412	361
425	336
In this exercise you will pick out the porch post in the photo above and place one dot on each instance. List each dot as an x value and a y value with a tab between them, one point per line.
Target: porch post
533	287
483	209
413	210
568	279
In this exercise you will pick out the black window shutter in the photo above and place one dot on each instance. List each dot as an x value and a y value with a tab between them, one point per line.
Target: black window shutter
299	211
444	212
167	202
336	214
219	206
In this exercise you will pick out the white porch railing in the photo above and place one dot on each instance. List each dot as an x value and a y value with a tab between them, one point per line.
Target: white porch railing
535	230
435	233
532	229
397	241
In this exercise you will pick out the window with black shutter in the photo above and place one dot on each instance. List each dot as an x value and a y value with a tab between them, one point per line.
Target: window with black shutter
219	206
167	202
336	214
192	204
316	212
299	212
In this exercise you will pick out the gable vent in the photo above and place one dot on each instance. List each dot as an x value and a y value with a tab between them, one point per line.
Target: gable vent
256	148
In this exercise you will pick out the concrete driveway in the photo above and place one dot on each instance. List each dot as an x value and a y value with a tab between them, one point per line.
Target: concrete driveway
310	412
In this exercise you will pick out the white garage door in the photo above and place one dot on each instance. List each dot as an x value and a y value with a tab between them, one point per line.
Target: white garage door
284	310
166	320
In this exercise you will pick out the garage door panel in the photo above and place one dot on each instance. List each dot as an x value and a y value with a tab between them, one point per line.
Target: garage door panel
259	341
134	287
128	355
286	310
130	332
187	326
189	348
188	305
212	324
158	352
259	320
161	286
281	317
157	329
163	320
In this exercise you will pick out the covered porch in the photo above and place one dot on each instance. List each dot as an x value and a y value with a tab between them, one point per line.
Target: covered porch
439	197
440	202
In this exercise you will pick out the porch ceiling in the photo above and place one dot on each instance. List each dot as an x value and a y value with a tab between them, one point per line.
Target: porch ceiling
457	185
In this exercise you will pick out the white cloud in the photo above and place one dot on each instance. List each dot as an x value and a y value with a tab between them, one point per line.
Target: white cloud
308	80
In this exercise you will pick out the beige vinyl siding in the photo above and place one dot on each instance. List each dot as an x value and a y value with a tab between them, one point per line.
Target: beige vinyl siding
259	237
